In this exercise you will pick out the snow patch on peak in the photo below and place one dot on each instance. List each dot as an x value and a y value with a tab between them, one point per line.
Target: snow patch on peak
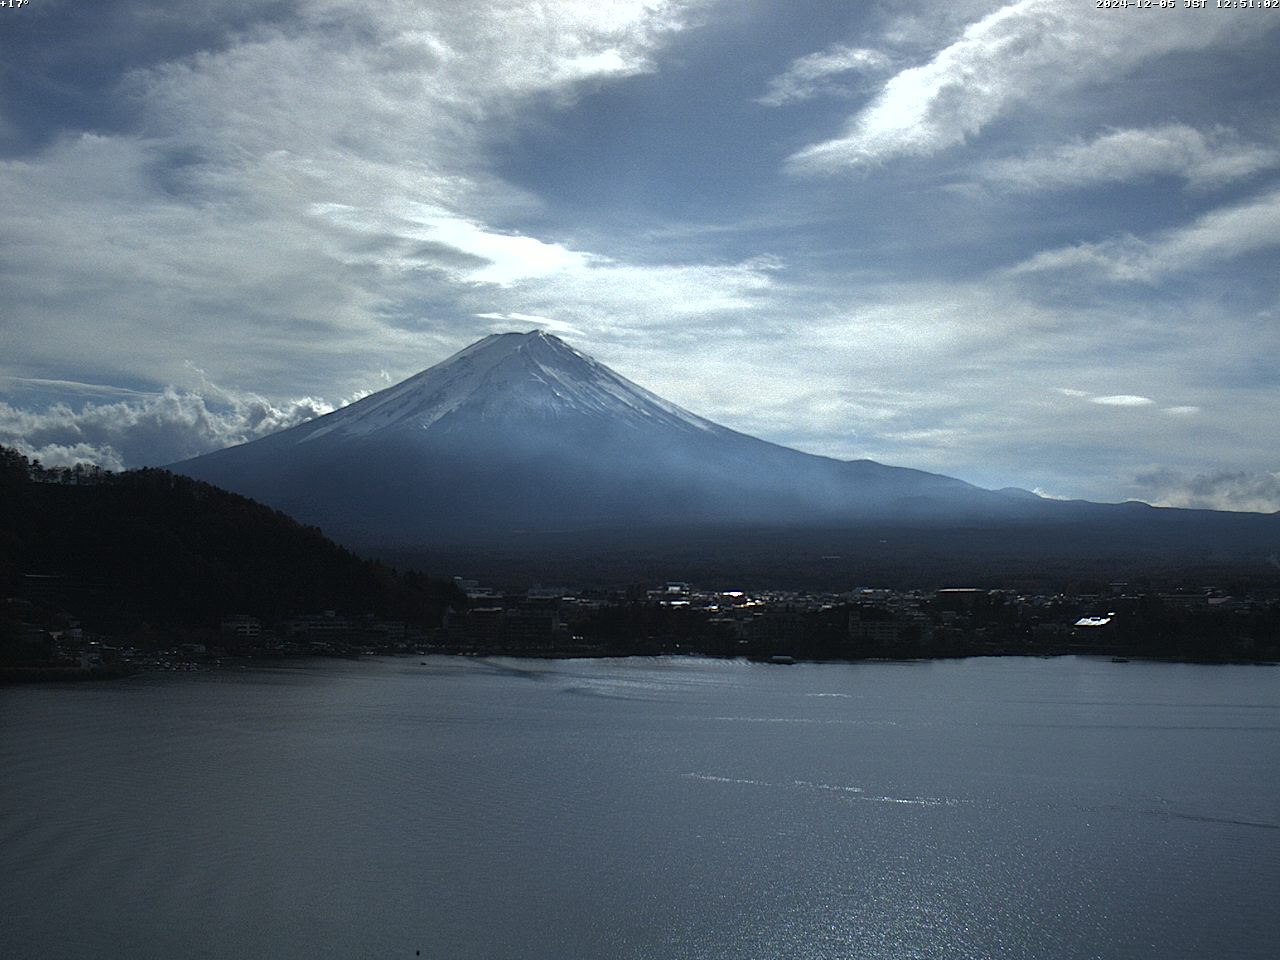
516	376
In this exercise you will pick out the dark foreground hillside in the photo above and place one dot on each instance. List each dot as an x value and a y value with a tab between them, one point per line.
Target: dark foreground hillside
148	549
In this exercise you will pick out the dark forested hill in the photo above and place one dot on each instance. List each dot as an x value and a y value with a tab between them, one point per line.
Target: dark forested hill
150	547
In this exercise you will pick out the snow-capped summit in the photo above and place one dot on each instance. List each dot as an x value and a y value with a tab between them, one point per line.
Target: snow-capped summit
507	376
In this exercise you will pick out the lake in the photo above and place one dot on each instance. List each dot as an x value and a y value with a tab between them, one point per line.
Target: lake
645	808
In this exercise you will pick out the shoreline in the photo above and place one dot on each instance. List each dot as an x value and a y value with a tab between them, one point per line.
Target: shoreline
22	676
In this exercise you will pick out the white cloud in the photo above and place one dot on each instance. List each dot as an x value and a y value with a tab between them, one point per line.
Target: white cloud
330	182
1217	236
398	67
157	429
505	275
605	295
1045	494
816	74
507	319
64	388
1123	400
63	455
1203	160
1256	491
1024	51
1127	400
468	251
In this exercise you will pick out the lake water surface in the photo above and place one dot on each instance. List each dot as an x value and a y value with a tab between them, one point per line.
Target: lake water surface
672	808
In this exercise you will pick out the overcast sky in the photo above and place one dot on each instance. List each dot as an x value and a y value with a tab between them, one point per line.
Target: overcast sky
1030	244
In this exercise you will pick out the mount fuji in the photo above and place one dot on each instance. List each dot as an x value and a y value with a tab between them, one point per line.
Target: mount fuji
519	438
520	432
